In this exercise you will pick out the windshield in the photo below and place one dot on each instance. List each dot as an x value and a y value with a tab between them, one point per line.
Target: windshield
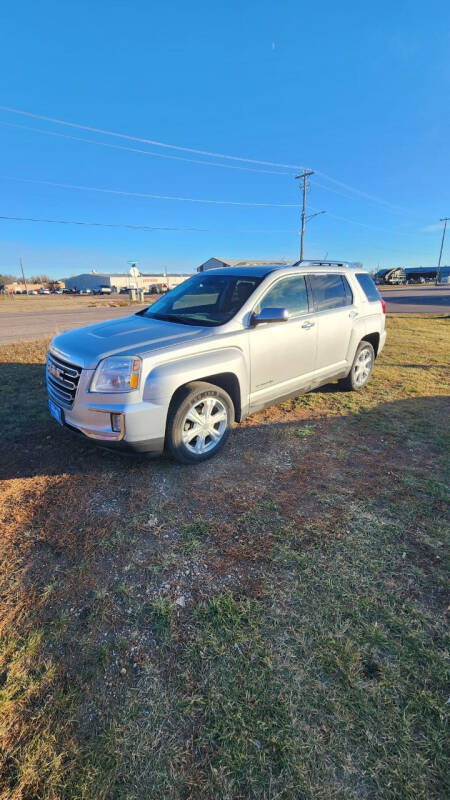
204	299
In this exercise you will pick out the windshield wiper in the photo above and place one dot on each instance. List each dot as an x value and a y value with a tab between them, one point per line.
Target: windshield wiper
173	318
164	317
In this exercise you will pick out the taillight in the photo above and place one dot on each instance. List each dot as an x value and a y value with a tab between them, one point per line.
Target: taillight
383	305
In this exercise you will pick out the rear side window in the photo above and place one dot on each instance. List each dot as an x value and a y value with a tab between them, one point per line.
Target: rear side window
330	291
367	285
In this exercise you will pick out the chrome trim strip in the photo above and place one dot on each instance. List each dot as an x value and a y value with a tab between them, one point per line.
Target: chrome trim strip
62	392
61	400
64	357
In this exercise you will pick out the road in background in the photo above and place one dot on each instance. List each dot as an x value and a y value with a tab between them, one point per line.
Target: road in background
416	299
23	326
27	325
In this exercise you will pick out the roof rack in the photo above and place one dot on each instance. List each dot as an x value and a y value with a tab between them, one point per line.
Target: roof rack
348	264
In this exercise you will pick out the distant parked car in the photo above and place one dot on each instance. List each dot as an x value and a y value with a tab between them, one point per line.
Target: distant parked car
32	291
416	280
102	290
85	291
44	291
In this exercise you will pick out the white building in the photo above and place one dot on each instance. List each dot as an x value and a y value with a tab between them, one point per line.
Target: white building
117	281
217	263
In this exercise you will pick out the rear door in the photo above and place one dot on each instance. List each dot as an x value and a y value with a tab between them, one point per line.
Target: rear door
282	354
334	312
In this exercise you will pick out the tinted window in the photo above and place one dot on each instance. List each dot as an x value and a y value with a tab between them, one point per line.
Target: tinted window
204	299
289	293
368	286
330	291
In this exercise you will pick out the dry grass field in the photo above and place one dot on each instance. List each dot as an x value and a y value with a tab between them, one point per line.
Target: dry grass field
58	302
268	625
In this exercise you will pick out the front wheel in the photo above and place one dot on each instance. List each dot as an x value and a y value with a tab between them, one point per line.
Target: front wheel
361	370
199	422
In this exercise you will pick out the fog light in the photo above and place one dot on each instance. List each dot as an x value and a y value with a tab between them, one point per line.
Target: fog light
116	423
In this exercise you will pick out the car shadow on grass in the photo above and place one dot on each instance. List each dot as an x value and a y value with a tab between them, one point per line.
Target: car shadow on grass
35	445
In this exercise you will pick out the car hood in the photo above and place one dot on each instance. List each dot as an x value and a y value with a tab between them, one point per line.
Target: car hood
133	335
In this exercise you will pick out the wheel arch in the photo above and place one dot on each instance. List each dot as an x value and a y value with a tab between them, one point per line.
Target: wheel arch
226	368
228	381
374	339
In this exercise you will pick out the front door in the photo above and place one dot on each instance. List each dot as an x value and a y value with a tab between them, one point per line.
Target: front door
282	354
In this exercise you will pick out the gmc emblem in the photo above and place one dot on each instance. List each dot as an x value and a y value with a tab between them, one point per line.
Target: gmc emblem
57	373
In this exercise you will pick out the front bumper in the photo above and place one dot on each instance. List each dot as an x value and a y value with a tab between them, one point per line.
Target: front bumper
142	423
150	446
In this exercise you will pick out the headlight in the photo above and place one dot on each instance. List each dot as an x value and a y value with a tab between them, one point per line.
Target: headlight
117	374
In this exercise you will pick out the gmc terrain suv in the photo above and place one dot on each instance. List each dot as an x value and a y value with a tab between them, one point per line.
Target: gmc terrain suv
222	345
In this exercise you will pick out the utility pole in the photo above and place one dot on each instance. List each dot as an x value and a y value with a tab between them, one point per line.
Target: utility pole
303	176
23	276
444	220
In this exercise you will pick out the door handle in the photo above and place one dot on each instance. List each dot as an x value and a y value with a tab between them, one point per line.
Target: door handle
353	314
308	324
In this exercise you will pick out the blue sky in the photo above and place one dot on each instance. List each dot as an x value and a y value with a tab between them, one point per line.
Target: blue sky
359	92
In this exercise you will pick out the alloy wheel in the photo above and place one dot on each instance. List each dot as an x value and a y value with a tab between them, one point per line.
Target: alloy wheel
363	366
204	425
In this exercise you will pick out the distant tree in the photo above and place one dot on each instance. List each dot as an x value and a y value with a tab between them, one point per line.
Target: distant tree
39	279
5	279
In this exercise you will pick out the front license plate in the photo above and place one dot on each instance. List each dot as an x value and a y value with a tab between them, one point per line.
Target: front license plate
55	411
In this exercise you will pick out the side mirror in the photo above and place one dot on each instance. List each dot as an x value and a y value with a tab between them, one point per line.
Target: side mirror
270	315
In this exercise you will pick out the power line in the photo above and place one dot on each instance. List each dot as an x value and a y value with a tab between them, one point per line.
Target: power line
145	194
161	228
366	225
101	224
141	152
392	208
195	200
143	140
183	148
365	195
171	157
141	227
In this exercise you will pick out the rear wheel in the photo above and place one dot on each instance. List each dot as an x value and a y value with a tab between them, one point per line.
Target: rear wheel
361	370
199	422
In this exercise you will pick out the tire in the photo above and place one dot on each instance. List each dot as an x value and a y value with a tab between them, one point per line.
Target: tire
361	370
193	402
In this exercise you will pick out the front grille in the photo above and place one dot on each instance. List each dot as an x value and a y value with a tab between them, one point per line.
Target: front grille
62	380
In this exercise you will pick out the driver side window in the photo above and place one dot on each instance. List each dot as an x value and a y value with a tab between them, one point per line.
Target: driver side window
289	293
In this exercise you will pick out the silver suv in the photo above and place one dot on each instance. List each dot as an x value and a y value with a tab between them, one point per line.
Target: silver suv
222	345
